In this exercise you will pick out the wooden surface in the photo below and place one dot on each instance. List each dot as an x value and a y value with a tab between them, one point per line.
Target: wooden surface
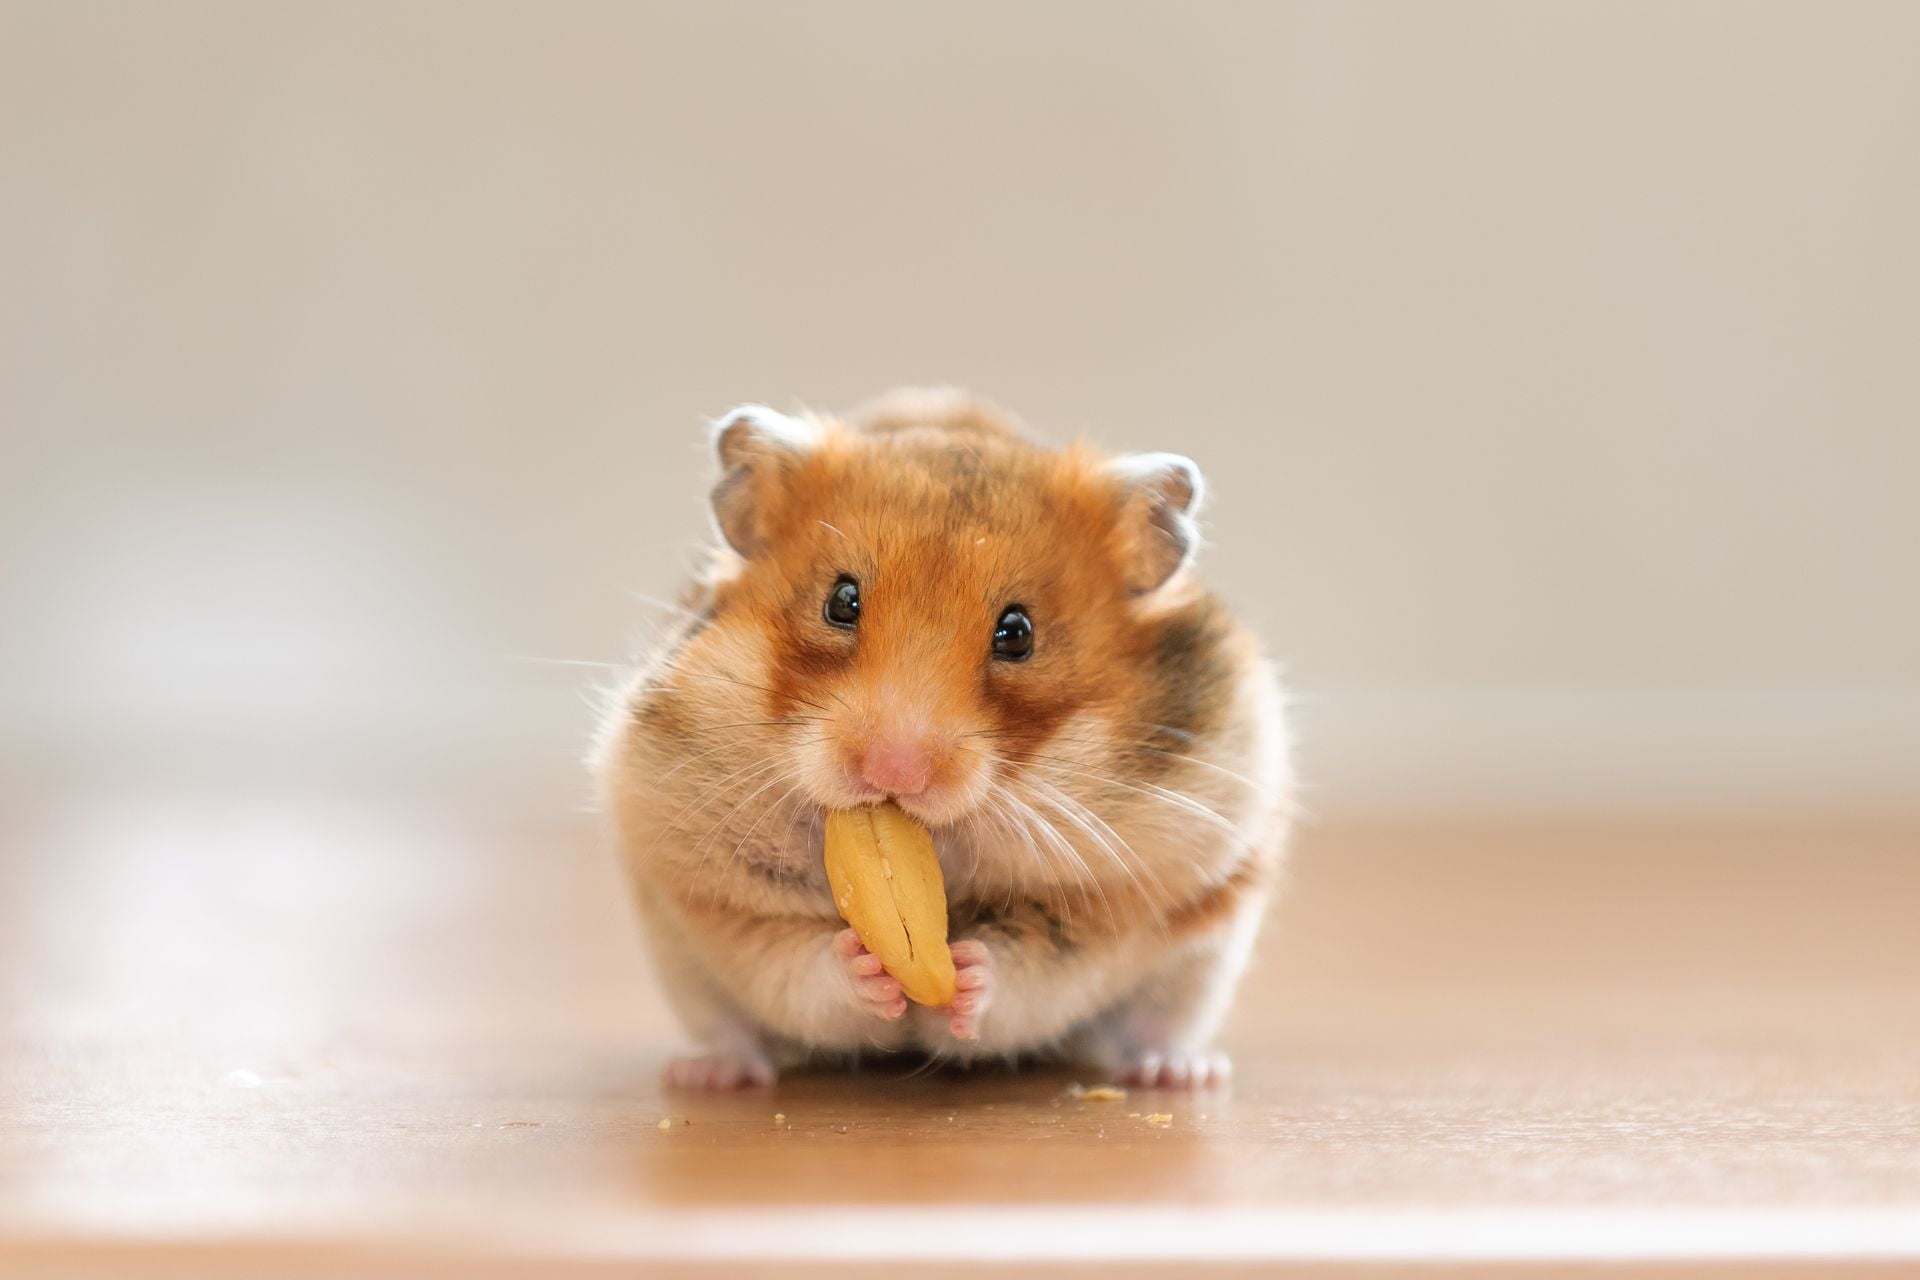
289	1034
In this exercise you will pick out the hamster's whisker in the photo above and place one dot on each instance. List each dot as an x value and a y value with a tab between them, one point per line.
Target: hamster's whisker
970	840
1053	842
1059	841
1007	832
784	797
1182	734
1175	804
563	662
1250	783
1091	879
1018	836
1174	798
725	746
1084	818
932	1059
752	770
1026	814
706	841
1116	846
1259	787
1125	856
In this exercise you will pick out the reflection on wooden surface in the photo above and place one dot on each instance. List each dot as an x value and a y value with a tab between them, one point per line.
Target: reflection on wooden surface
300	1024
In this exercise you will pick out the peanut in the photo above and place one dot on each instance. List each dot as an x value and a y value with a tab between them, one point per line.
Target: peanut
886	882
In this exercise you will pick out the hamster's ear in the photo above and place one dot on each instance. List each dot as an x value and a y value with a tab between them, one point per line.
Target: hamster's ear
1161	495
754	446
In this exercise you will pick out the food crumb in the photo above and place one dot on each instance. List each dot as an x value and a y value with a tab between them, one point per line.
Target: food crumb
665	1124
1160	1119
1104	1093
779	1117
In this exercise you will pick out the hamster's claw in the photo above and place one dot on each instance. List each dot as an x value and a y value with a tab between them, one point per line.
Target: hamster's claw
973	986
877	990
1176	1069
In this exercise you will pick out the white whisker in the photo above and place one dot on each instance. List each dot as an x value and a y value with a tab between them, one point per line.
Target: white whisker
1175	798
784	796
1092	880
561	662
707	839
755	769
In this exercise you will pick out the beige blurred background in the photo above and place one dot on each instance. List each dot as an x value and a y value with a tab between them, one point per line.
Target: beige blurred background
1556	366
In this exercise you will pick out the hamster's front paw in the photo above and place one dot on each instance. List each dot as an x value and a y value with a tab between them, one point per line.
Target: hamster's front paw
1176	1069
973	988
877	991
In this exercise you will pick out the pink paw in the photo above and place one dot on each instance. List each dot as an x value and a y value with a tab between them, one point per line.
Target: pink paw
719	1072
973	989
1177	1069
877	990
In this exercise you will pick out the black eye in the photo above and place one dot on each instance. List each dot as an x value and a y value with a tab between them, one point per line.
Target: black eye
843	603
1013	635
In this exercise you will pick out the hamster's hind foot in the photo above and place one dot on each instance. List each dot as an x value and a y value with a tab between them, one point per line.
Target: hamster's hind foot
1176	1069
719	1072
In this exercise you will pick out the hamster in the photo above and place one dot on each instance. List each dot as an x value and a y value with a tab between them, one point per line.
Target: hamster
920	602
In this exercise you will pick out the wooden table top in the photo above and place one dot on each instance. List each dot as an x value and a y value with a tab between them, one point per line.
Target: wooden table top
303	1033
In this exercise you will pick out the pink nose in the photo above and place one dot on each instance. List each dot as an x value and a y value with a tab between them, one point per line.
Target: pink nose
896	767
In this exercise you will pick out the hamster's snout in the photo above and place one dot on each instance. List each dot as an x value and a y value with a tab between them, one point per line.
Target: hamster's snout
903	754
899	765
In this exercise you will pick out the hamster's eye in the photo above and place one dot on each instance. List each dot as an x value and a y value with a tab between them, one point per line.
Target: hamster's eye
843	603
1013	635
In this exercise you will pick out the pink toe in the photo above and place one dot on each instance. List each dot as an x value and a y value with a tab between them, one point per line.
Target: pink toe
969	952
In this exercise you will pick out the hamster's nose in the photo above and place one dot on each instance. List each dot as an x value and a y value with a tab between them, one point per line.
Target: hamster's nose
897	766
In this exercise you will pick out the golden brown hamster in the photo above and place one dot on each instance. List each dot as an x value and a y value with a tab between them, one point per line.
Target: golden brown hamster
920	602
